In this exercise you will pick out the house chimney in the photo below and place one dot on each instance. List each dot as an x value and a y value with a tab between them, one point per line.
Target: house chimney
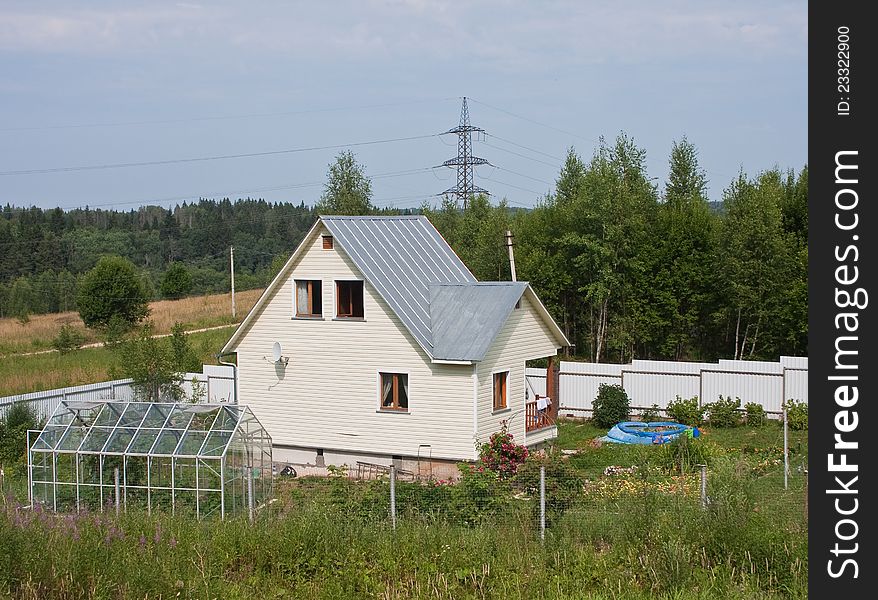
511	254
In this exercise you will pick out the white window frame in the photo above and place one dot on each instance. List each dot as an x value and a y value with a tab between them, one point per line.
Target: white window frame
508	407
392	371
296	314
335	316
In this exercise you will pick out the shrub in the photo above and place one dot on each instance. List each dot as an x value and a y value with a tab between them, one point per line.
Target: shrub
610	406
755	415
13	433
797	415
478	495
651	414
501	454
67	340
681	455
724	412
563	484
686	411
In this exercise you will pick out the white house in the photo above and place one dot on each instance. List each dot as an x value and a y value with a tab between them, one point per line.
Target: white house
390	348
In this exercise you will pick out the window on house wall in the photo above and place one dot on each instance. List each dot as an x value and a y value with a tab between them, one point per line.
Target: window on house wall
327	242
500	381
394	391
309	298
349	299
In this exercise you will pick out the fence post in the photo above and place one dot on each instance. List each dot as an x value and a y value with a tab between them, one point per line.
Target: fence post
30	472
703	485
542	502
116	489
250	492
786	450
806	495
393	496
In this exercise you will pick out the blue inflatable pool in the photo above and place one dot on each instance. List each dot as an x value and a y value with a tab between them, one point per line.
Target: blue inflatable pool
656	432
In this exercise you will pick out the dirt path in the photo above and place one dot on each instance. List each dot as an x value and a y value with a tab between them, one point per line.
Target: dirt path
100	344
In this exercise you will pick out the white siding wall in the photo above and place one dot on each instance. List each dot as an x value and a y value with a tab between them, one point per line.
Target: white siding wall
327	396
523	337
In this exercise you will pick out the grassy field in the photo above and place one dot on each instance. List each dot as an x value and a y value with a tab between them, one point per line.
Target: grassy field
610	536
195	313
37	372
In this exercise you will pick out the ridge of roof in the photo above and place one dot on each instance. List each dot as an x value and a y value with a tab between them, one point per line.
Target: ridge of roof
423	281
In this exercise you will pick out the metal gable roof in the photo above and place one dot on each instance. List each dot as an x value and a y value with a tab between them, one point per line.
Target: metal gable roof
400	257
467	317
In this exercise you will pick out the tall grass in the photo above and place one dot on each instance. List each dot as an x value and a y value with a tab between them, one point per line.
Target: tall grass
23	374
195	312
648	546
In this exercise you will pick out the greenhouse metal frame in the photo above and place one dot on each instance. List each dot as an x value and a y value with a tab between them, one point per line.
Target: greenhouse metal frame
201	459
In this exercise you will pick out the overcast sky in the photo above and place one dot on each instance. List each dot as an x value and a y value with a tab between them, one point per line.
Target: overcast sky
100	83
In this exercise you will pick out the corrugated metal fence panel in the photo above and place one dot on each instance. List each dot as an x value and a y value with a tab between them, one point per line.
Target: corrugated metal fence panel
220	383
647	388
218	386
750	366
795	385
44	403
794	362
536	382
578	382
668	366
764	388
590	368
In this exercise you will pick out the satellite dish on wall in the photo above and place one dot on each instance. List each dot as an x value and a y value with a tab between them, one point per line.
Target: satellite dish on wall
277	355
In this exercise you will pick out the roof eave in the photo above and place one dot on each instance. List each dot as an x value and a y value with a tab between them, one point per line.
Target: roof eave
229	346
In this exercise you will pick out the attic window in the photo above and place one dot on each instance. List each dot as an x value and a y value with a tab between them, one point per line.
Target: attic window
349	299
309	298
327	242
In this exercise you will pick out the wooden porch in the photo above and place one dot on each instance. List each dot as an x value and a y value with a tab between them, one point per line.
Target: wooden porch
536	418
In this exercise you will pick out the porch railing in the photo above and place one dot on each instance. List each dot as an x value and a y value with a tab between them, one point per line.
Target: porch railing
537	419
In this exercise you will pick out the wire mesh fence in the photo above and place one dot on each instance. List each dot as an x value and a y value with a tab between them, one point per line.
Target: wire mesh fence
589	486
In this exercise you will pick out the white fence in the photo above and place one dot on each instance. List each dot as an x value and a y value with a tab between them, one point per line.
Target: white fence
649	382
215	383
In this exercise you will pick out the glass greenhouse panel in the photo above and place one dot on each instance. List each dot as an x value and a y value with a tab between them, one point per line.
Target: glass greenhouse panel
202	459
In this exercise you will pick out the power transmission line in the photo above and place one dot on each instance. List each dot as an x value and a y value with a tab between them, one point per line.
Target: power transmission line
220	117
219	157
529	120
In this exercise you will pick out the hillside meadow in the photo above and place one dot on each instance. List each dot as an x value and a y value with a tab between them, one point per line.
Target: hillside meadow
195	312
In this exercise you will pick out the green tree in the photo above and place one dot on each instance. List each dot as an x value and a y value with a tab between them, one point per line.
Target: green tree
347	190
150	362
21	299
184	356
756	262
177	281
112	289
685	270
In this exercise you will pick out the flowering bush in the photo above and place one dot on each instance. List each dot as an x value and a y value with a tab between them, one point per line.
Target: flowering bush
501	454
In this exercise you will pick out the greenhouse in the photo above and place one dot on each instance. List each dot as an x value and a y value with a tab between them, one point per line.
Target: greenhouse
199	459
